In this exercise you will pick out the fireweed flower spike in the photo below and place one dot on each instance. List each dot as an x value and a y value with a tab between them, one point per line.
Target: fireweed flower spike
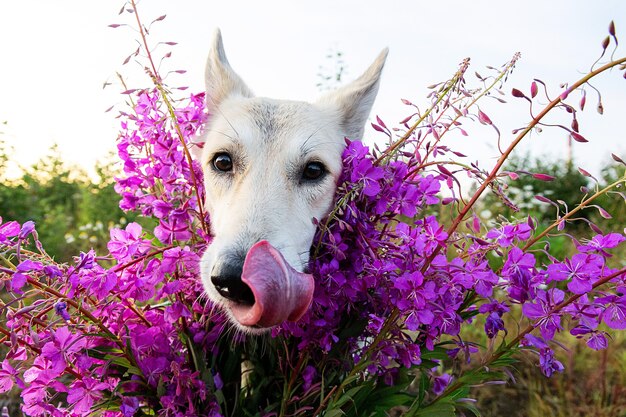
394	284
371	261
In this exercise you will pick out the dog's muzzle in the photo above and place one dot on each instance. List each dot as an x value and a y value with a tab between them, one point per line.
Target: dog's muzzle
226	278
265	291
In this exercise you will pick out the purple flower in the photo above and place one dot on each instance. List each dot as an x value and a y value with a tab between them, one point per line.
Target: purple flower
429	186
153	368
161	209
493	324
549	365
20	277
9	376
60	308
409	355
534	341
308	376
504	236
125	244
8	230
474	274
408	202
61	349
440	383
175	312
600	243
369	175
84	393
614	314
100	283
434	233
542	312
355	150
52	271
86	260
28	265
586	312
27	228
596	340
219	384
519	269
467	348
375	324
413	298
18	281
581	271
169	230
129	406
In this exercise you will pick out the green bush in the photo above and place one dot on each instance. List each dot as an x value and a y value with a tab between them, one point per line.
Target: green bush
73	212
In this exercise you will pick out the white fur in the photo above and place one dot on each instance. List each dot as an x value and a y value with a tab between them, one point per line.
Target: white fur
270	142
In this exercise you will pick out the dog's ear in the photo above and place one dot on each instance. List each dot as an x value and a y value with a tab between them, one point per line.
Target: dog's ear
221	80
354	101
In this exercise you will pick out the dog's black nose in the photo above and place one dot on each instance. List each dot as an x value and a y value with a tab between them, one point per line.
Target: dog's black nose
226	278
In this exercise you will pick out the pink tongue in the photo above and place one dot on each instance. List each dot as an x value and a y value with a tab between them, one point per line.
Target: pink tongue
280	292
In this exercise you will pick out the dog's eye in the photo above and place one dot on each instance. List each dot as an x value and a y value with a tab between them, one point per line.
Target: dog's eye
223	162
313	171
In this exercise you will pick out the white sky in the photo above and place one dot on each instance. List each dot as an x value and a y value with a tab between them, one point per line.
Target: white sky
57	54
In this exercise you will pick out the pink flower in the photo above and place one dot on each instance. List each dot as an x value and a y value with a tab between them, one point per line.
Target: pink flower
125	244
84	393
62	348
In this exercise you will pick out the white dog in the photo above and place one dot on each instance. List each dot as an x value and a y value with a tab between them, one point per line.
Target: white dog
270	170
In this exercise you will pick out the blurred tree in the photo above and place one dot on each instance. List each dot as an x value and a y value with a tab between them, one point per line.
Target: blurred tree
615	201
566	187
519	195
72	212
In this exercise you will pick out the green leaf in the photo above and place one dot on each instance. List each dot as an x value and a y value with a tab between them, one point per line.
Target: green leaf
362	401
347	396
504	362
424	386
334	413
438	353
469	407
438	409
354	329
161	387
118	360
393	400
428	364
466	315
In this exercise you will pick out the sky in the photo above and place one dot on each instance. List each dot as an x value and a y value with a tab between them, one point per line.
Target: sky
58	54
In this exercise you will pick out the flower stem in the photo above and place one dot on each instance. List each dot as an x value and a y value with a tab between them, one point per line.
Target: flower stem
6	261
192	172
515	342
581	206
474	100
449	86
121	267
366	356
494	172
164	95
36	350
288	387
555	310
78	307
388	153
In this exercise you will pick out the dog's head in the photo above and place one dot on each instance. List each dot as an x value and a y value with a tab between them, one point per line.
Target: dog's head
270	171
